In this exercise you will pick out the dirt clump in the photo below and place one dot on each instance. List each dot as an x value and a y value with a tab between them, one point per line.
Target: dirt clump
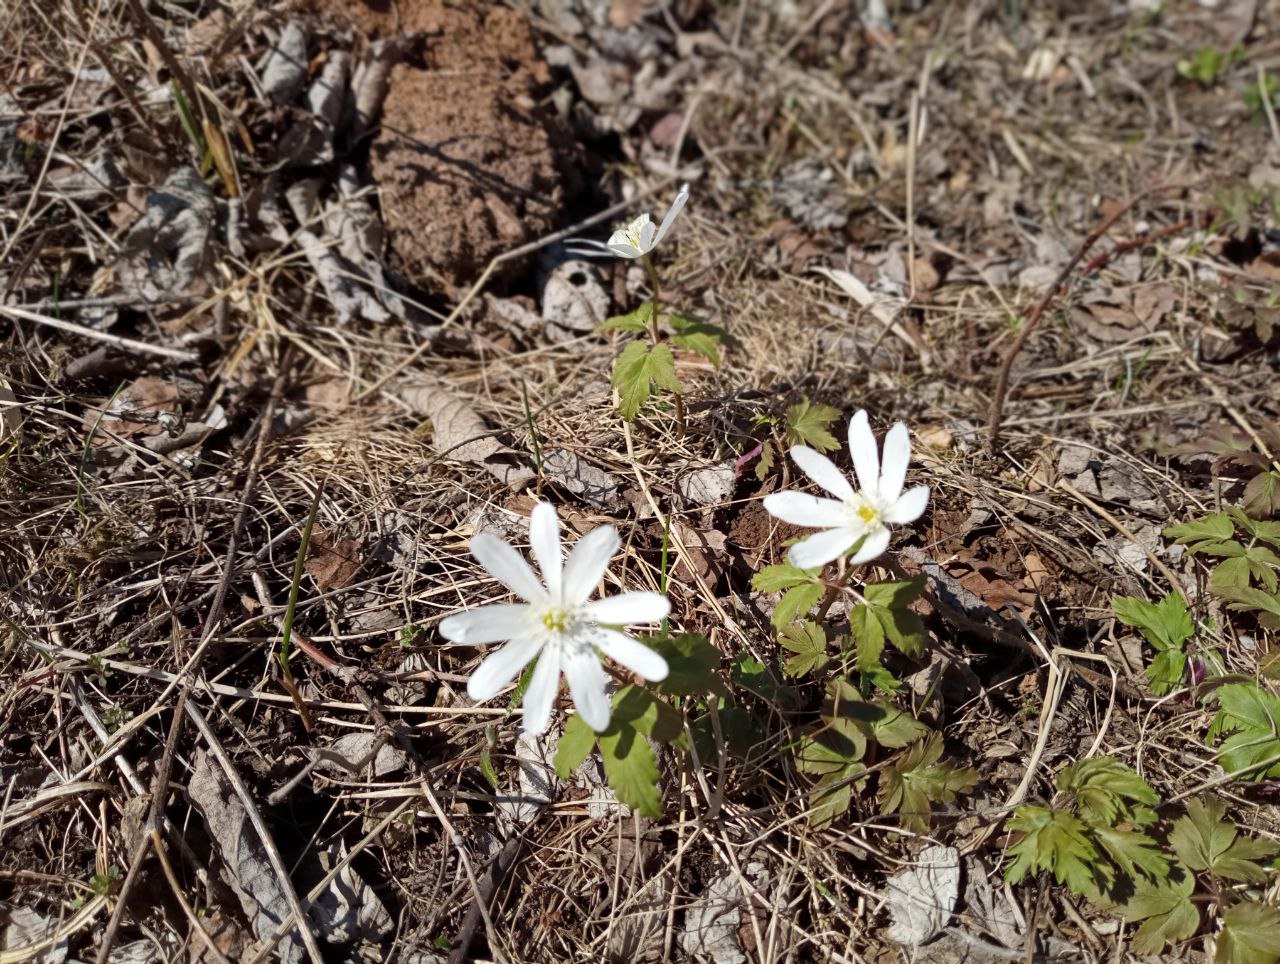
468	162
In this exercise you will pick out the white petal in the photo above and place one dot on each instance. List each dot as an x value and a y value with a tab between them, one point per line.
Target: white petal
541	693
631	653
507	566
629	607
488	624
893	466
646	237
624	249
501	667
802	509
676	207
862	447
822	547
544	538
586	685
587	563
875	545
822	470
909	507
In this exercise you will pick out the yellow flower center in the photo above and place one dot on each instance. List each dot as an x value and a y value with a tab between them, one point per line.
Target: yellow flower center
556	620
633	233
867	514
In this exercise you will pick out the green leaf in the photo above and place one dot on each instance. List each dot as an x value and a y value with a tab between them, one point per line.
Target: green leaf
896	728
796	603
629	763
1055	841
635	369
1266	531
1166	625
1263	564
916	779
1105	791
631	769
1166	912
636	707
574	745
807	425
1262	495
1230	574
841	738
692	662
1213	528
697	336
638	320
1166	671
890	602
751	674
809	644
882	679
1205	841
1248	599
766	461
868	636
1250	934
831	796
783	576
1252	715
1133	852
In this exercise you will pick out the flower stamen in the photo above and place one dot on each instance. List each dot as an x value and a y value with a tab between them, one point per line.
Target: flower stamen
555	620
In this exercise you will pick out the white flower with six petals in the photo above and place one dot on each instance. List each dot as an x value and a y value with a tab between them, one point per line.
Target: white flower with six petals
557	623
639	237
864	515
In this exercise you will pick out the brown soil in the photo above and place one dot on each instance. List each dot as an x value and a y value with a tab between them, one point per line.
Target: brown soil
468	162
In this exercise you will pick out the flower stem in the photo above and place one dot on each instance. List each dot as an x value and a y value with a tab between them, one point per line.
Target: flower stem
655	333
843	577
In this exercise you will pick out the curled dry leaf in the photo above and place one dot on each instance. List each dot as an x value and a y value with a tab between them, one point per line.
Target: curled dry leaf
458	433
285	69
168	251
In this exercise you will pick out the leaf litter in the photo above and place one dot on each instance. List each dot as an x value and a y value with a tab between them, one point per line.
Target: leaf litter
340	182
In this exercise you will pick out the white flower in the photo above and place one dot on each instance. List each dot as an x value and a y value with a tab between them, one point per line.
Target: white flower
639	237
851	516
556	624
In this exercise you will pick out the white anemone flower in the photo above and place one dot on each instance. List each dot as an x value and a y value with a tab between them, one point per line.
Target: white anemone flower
557	623
634	240
852	516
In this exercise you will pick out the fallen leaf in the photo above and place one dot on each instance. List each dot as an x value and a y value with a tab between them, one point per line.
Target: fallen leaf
350	756
592	484
711	485
167	252
349	909
1111	316
333	563
459	434
923	897
245	865
712	921
25	927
